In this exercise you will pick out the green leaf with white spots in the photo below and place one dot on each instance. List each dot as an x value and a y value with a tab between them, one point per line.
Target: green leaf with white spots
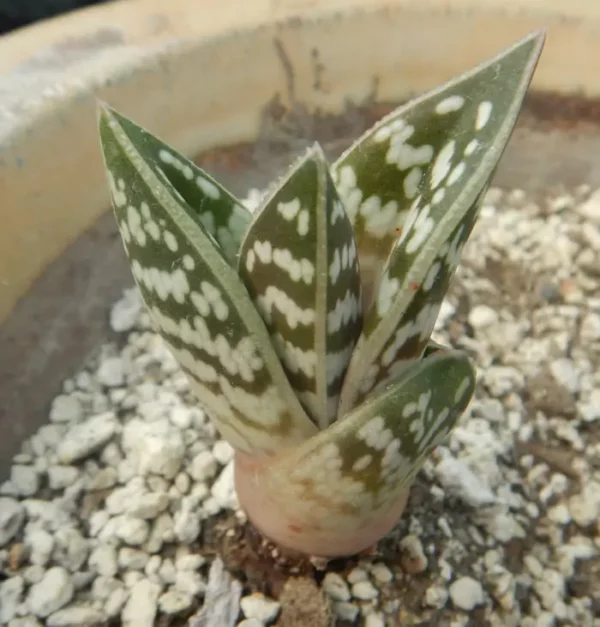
410	339
222	215
298	261
412	187
199	305
356	470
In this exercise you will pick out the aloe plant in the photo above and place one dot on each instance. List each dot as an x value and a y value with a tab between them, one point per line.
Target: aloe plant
304	327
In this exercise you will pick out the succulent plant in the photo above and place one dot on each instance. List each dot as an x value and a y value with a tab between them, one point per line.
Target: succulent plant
304	327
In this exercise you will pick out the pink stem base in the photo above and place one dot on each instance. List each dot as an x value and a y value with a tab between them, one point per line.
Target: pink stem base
293	534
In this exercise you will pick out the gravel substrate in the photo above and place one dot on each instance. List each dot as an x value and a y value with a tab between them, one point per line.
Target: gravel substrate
106	516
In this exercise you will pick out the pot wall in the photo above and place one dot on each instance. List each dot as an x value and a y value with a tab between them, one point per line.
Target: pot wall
185	73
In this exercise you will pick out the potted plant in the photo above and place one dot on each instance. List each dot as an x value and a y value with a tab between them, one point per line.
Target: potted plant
304	328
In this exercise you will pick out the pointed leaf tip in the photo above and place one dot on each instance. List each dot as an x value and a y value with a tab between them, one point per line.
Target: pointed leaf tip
413	186
198	304
209	204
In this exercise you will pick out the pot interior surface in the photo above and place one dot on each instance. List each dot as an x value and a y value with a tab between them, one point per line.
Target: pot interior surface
65	316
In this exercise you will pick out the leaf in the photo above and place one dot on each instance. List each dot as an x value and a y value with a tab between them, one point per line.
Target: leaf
298	261
353	473
199	306
412	336
208	203
432	157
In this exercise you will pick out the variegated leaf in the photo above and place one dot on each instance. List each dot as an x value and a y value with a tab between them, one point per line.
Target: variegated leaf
222	215
199	305
409	341
433	157
298	261
440	137
355	471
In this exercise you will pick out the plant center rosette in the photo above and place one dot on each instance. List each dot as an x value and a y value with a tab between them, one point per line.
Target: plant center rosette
304	327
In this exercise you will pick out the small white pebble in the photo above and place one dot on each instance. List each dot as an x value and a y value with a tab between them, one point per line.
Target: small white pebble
482	316
111	372
466	593
356	575
203	467
375	619
125	312
436	596
559	514
174	601
335	587
381	573
258	606
364	591
223	452
60	477
346	611
66	408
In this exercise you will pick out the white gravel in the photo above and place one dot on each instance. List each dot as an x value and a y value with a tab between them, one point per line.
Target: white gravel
104	505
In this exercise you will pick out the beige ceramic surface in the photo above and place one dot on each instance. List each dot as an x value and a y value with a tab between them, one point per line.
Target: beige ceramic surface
200	73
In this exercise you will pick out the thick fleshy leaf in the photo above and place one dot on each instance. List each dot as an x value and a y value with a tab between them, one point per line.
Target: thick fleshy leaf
199	305
440	137
356	470
412	337
222	215
432	157
298	261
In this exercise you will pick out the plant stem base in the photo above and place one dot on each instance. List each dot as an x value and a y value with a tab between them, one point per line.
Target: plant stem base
287	531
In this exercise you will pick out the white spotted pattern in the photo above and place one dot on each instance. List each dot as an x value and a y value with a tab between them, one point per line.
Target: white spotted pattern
297	269
337	213
442	164
208	187
462	389
303	222
188	262
362	463
350	194
377	217
449	105
438	196
170	241
456	173
412	181
431	276
295	358
166	157
484	112
421	326
375	434
161	282
289	210
422	229
388	288
274	298
345	310
471	147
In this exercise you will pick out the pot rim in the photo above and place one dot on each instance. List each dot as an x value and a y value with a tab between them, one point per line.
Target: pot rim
52	72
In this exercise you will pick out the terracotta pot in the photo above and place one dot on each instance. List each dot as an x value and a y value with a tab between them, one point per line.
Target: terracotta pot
204	76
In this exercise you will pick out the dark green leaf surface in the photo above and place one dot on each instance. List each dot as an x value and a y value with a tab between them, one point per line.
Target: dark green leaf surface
298	260
222	215
411	187
199	305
